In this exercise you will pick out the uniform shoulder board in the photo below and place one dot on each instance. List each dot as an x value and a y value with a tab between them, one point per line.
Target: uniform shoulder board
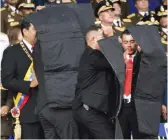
14	24
127	20
121	29
164	41
131	15
2	9
123	0
153	12
97	22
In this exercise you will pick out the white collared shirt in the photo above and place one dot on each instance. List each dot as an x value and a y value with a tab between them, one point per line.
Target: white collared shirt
165	30
117	20
12	8
29	46
132	56
143	13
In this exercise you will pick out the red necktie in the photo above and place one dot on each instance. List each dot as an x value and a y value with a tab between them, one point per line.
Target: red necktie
128	77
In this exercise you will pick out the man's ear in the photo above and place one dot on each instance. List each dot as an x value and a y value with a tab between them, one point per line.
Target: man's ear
119	39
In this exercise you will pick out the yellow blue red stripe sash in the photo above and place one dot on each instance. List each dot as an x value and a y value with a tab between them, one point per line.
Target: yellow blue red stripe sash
21	98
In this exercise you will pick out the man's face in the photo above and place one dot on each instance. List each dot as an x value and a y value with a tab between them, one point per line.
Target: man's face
164	2
129	44
142	5
164	21
107	16
117	8
30	34
12	2
26	11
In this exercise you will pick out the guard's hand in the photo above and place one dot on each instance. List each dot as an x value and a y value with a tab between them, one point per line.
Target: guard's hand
108	31
34	83
125	56
164	112
38	8
4	110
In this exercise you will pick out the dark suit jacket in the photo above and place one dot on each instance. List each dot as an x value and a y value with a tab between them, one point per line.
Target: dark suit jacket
15	64
95	81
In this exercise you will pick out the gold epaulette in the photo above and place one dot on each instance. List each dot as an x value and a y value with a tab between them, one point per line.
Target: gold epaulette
97	22
2	9
14	24
121	29
123	0
131	15
127	20
164	41
153	12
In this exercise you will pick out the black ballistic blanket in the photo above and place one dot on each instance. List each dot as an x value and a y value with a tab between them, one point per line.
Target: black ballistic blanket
60	32
151	78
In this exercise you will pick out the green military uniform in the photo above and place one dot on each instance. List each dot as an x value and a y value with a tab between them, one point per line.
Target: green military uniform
9	18
163	12
135	18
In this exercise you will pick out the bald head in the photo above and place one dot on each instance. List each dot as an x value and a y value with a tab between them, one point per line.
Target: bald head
93	34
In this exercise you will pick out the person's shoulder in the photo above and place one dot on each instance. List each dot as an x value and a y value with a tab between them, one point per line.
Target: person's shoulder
131	15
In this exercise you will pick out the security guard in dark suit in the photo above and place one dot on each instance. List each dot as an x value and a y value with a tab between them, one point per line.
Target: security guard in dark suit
9	15
143	11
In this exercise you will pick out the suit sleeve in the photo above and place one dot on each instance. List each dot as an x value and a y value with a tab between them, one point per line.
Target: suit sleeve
9	101
99	61
8	74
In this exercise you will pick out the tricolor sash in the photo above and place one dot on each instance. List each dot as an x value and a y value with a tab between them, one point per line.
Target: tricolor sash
21	99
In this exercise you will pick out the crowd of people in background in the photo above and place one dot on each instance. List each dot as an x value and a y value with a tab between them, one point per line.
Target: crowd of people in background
112	18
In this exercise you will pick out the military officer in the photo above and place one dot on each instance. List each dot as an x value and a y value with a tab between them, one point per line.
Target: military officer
25	7
9	15
163	29
104	13
143	11
119	23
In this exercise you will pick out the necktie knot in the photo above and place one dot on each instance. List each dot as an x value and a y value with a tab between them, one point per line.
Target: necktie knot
118	23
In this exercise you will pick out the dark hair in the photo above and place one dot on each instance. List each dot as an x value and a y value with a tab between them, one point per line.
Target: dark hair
13	34
25	25
93	28
126	32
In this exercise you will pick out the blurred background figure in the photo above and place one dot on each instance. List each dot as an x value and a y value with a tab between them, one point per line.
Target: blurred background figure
9	15
15	35
25	7
6	97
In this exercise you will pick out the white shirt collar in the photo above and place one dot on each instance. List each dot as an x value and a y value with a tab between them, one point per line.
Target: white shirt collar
165	30
29	46
143	13
12	8
115	22
132	56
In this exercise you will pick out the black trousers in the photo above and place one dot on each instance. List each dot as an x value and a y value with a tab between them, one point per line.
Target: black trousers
58	123
129	123
32	131
96	123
